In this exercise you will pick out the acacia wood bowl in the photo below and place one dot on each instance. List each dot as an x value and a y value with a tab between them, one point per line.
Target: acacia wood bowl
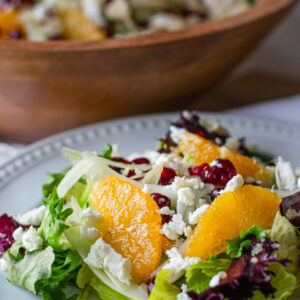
47	87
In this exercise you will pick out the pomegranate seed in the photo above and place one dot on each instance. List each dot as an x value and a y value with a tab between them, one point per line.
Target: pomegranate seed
167	176
150	285
140	161
209	175
201	133
225	165
196	170
161	200
166	219
121	160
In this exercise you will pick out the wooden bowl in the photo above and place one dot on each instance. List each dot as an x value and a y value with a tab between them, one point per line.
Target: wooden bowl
50	86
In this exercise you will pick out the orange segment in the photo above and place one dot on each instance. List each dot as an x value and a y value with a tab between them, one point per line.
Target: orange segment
131	224
229	215
204	151
78	27
9	22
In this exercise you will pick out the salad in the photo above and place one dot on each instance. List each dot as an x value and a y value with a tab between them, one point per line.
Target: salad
205	216
43	20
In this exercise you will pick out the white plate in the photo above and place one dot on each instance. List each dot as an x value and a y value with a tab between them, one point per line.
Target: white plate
21	178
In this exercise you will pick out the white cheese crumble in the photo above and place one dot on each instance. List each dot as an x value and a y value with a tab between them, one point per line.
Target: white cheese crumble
182	182
254	260
233	184
92	10
285	175
91	220
33	217
17	234
166	211
31	239
256	249
183	296
194	216
232	144
177	264
165	21
174	228
103	256
185	201
175	133
118	10
217	279
3	265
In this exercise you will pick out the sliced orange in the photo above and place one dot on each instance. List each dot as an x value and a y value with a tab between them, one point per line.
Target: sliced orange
229	215
131	224
205	151
78	27
9	22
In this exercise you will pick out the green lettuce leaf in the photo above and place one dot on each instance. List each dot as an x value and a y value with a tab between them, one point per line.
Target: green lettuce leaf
236	246
33	267
285	233
106	151
52	181
81	191
53	224
163	288
199	275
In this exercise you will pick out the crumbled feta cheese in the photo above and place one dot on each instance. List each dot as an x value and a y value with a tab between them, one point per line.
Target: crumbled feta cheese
183	182
92	10
165	21
3	265
233	184
217	278
103	256
194	216
17	234
31	239
41	22
118	10
254	260
175	133
185	200
285	175
166	211
232	144
91	219
183	296
177	264
33	217
174	228
256	249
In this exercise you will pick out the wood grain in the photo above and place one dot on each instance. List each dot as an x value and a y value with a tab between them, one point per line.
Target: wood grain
50	86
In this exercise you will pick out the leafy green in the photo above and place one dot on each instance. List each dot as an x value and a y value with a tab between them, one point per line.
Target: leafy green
33	267
263	157
53	224
81	191
236	246
86	277
199	275
106	151
163	288
285	233
52	181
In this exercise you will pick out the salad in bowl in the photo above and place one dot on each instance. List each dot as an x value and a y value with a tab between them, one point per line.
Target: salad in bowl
204	216
43	20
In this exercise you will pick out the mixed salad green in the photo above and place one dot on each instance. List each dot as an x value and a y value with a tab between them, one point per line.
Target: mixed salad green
57	251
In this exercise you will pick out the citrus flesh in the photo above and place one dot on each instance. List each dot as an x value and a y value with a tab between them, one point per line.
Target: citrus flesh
229	215
9	22
131	224
205	151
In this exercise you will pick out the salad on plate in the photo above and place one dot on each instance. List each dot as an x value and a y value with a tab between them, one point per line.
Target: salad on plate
205	216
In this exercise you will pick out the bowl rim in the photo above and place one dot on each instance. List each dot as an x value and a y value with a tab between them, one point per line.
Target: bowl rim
259	11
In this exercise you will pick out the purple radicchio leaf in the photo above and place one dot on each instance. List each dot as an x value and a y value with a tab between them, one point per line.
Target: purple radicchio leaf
245	275
290	208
